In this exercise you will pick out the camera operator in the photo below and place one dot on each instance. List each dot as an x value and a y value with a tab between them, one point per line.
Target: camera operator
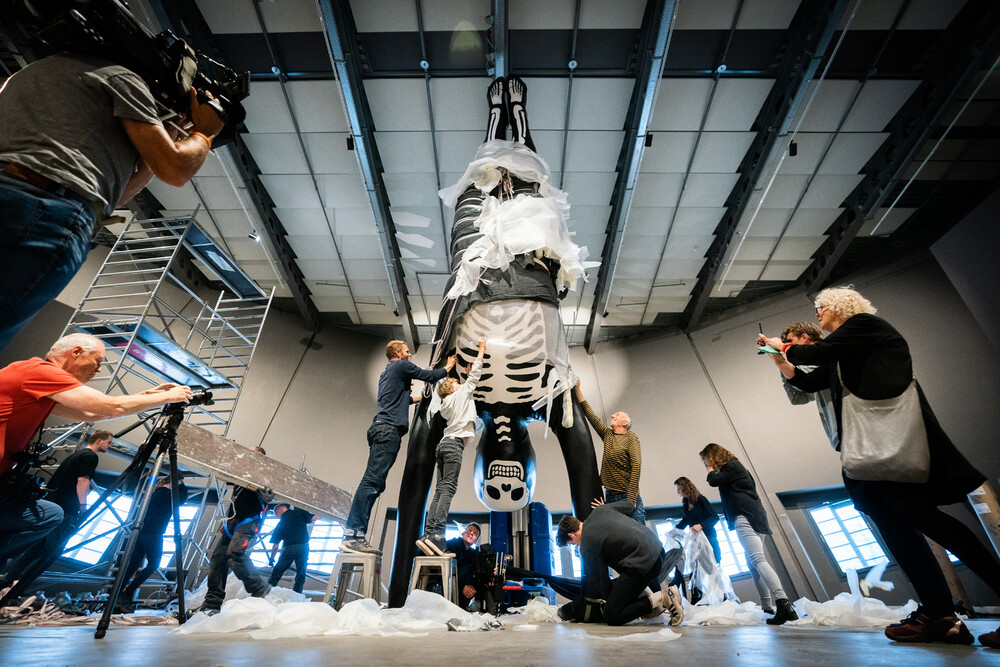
81	136
464	548
30	391
68	488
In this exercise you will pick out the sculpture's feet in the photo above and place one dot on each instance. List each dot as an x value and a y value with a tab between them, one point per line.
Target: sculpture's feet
496	128
517	98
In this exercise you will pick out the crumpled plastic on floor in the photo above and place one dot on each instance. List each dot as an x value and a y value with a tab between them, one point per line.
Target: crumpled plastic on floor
264	619
538	610
664	635
728	612
236	591
848	610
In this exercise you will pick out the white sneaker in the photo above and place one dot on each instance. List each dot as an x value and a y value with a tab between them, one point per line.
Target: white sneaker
672	604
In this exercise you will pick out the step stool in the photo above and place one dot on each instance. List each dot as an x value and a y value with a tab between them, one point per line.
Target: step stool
367	566
425	568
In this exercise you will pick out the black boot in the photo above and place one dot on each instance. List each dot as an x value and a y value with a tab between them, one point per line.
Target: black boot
784	612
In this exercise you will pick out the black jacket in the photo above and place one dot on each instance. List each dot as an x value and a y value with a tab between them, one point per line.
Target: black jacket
739	496
702	513
875	363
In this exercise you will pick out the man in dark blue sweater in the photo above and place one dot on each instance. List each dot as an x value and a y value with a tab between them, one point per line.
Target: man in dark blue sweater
384	436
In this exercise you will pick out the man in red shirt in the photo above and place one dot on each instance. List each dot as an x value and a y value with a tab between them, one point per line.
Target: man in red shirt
32	390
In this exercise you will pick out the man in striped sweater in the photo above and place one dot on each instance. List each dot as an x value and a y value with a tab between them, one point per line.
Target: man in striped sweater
622	460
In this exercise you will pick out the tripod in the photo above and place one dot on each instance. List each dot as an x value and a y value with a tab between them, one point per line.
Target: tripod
163	441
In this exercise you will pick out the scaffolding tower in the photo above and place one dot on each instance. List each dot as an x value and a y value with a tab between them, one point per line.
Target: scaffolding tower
156	330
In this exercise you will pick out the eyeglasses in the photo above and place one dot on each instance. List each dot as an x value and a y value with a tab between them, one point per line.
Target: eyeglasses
820	309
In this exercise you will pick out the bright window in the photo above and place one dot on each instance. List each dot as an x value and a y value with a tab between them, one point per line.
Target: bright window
103	528
187	514
262	547
847	535
557	552
325	537
324	544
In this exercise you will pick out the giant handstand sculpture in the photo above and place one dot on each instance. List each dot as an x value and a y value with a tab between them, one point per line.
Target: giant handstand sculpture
512	261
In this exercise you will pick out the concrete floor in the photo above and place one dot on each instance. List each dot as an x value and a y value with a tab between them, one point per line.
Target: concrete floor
575	645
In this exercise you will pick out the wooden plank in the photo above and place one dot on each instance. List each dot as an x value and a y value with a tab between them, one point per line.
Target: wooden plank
230	461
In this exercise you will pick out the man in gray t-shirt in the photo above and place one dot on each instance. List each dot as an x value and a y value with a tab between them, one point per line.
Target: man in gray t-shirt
79	136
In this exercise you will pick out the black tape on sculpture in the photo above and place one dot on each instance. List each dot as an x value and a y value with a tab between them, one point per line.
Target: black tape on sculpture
207	452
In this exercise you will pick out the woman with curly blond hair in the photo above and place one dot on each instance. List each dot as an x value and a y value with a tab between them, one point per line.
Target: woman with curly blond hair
864	355
745	514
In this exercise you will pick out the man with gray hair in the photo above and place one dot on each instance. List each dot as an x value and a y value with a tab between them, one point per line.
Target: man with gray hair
621	462
30	391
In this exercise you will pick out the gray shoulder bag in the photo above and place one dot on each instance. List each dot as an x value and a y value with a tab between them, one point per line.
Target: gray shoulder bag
884	440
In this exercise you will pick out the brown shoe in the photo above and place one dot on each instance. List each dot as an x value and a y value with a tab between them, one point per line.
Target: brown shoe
991	639
918	628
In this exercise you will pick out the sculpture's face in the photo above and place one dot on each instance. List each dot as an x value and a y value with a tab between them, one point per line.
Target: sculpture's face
504	485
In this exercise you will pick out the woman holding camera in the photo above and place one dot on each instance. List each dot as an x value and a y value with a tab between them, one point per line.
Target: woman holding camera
866	357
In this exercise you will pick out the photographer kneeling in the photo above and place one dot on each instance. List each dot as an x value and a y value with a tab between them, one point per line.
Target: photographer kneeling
81	137
30	391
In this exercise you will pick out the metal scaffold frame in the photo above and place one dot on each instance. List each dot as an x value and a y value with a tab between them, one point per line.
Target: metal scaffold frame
134	306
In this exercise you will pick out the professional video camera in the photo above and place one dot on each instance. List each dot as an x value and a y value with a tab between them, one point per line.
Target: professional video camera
489	577
106	28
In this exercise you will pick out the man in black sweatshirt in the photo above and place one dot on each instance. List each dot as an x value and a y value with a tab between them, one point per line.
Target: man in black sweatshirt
239	533
613	539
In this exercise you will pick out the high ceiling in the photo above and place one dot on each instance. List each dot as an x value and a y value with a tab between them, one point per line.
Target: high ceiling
714	152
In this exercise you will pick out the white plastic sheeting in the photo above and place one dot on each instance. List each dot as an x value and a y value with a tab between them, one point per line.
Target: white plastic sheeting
706	575
850	611
263	619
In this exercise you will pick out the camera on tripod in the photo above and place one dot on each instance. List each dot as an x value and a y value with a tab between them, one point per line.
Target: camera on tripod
168	65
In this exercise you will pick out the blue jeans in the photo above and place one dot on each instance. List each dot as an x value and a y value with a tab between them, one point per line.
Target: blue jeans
43	242
232	553
25	522
449	464
383	446
292	553
639	513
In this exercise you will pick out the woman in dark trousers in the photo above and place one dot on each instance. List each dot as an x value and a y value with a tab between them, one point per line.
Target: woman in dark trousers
698	513
700	516
745	514
874	363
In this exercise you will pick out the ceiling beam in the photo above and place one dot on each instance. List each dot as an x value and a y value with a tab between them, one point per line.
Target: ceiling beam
342	43
185	14
808	37
970	44
498	61
658	25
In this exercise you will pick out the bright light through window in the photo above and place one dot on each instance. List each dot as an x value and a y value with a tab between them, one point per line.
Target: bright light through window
104	527
557	554
187	514
325	537
848	536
